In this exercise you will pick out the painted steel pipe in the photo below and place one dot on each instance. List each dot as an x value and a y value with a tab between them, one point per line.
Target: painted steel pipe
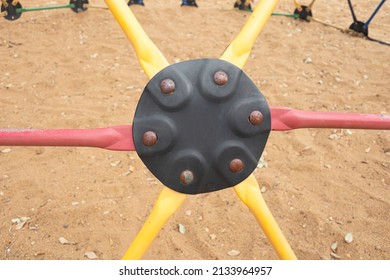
117	138
298	5
239	49
284	118
149	56
167	203
374	13
249	193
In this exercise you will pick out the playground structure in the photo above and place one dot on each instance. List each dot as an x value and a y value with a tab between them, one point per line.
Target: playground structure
12	10
154	64
305	13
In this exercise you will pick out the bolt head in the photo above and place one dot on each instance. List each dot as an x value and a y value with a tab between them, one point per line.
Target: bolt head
167	86
186	177
149	138
236	165
221	78
256	118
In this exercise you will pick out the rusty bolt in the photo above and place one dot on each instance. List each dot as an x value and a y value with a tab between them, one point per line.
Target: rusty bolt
149	138
236	165
186	177
167	86
256	118
220	78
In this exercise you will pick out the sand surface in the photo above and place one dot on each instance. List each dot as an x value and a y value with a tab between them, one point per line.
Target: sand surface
60	69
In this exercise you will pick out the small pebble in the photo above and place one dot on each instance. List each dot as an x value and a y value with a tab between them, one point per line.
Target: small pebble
334	136
115	163
63	240
182	229
348	237
348	132
233	253
6	150
335	256
90	255
334	247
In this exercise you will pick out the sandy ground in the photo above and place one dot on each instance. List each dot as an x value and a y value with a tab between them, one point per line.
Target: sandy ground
60	69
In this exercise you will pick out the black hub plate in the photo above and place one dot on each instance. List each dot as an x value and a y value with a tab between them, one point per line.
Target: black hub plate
201	126
78	5
11	10
304	14
359	27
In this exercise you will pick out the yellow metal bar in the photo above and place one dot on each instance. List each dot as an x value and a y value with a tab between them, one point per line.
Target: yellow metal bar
167	203
5	3
149	56
239	49
248	191
15	2
299	7
311	4
4	14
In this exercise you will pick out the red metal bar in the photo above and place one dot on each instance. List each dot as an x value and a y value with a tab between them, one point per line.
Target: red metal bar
283	118
118	138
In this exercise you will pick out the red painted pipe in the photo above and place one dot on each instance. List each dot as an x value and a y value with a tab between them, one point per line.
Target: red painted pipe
118	138
283	118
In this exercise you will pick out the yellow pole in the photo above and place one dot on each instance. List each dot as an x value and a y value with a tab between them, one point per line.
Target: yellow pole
167	203
311	4
239	49
149	56
299	7
248	191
